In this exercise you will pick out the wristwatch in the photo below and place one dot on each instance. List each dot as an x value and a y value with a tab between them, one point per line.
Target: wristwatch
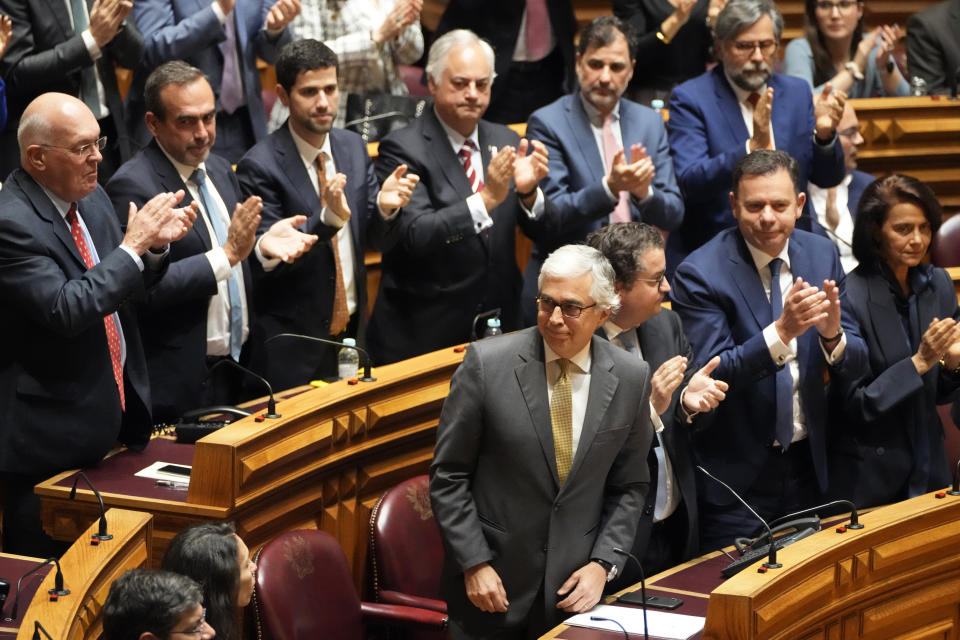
611	569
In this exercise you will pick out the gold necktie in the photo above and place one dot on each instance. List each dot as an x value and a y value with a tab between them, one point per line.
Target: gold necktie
832	214
341	315
561	417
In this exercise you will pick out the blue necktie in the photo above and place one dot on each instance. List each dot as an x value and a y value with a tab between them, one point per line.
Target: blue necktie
628	339
784	382
233	284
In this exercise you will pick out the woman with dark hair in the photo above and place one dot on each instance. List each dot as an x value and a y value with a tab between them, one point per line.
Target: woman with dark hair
218	560
836	51
887	440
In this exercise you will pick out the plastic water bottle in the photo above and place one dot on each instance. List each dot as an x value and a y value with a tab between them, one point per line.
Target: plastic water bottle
918	86
493	328
348	360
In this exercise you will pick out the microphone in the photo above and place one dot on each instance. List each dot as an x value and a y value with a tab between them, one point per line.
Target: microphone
101	534
367	377
4	590
854	518
955	489
57	590
643	591
37	628
771	562
271	403
622	628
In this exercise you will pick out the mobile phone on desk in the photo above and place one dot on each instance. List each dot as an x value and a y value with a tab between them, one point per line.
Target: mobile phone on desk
653	601
175	469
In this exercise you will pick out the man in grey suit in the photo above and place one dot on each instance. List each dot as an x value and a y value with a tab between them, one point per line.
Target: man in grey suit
539	470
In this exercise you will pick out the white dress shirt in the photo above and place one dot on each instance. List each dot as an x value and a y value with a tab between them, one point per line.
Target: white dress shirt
842	236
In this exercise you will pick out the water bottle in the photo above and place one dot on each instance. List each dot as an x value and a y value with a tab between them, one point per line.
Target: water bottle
348	360
918	86
493	328
657	105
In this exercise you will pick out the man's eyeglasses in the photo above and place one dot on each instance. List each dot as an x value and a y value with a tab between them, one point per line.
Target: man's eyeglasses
568	309
199	629
658	280
746	48
843	6
849	132
84	150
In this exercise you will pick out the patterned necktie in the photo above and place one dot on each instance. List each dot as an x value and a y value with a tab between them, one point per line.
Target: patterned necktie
628	339
88	75
198	177
341	314
621	212
465	152
113	335
561	419
231	85
784	381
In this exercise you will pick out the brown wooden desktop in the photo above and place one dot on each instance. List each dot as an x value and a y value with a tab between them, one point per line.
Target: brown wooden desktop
897	578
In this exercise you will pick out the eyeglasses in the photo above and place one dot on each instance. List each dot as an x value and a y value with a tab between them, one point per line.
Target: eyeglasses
200	628
568	309
658	280
84	150
849	132
843	6
746	48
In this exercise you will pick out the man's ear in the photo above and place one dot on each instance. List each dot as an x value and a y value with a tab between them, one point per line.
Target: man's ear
147	635
152	122
34	158
283	95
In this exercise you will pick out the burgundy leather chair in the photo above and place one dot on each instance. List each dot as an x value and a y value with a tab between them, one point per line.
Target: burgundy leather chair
945	249
304	591
406	551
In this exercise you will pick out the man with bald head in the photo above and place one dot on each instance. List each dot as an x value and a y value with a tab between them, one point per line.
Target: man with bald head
72	378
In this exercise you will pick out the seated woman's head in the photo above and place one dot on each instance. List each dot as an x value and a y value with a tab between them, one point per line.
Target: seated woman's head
827	22
895	222
216	557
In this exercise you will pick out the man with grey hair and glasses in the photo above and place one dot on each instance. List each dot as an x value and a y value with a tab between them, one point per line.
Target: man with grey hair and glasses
737	107
539	472
450	253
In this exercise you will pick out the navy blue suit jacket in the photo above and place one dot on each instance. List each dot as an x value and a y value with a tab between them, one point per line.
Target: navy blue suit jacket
887	434
59	405
708	136
720	298
173	321
298	297
189	30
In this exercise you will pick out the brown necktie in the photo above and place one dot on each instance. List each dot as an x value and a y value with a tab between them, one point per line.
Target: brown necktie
831	213
341	315
561	419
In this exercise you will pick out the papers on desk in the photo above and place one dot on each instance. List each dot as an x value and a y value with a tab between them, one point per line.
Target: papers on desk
662	624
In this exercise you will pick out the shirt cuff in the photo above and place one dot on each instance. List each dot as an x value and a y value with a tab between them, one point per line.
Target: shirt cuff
826	146
687	414
780	352
536	210
384	214
329	218
606	189
217	11
217	258
268	264
481	219
655	420
92	47
838	351
648	195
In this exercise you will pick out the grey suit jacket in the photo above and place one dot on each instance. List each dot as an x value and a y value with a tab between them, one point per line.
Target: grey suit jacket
494	484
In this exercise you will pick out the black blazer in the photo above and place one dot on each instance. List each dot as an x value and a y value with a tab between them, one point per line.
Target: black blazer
933	48
173	320
438	272
58	398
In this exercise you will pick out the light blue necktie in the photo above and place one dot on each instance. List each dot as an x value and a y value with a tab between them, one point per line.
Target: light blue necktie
88	75
233	284
784	381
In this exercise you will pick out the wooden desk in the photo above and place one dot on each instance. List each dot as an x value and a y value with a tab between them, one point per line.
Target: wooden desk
88	572
898	577
11	568
322	465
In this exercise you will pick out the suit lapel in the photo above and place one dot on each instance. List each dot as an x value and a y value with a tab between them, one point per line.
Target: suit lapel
59	10
744	273
580	128
729	107
885	320
171	181
780	118
532	378
443	154
292	165
48	212
603	384
346	164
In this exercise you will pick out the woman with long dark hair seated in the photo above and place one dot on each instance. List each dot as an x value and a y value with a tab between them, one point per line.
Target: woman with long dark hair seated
886	436
835	50
219	561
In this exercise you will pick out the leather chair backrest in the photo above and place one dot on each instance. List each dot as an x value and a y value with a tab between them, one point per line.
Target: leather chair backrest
945	251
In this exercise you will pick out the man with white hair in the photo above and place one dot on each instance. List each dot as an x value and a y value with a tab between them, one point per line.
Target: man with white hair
539	470
450	254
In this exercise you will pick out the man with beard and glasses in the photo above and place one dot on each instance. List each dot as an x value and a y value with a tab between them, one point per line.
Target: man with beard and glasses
737	107
199	312
309	167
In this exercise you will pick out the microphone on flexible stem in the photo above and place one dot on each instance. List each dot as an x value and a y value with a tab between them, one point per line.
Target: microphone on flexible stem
101	534
643	589
271	402
367	377
58	589
4	590
622	628
955	489
37	628
854	518
771	562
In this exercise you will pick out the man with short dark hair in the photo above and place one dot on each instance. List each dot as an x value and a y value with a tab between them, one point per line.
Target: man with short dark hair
767	299
609	158
151	604
309	167
200	312
739	106
73	380
669	530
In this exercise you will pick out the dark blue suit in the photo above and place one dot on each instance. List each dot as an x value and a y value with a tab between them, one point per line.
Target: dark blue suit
173	322
189	30
708	136
577	169
298	297
720	298
886	438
